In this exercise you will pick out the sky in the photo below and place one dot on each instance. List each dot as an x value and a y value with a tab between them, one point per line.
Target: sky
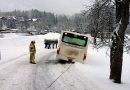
67	7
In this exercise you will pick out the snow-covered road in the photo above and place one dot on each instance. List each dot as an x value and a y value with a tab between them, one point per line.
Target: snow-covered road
54	75
47	74
16	73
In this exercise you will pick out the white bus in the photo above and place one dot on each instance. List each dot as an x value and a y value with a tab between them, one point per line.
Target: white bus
72	47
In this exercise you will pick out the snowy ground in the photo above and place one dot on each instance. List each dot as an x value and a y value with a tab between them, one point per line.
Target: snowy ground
18	74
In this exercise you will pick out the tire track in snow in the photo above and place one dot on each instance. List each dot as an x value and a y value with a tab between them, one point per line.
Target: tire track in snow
17	76
6	63
22	75
48	69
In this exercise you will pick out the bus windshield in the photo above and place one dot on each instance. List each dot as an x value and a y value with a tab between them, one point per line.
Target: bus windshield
74	39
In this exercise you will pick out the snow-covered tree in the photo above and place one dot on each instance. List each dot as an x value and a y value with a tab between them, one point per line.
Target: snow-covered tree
100	19
116	54
98	15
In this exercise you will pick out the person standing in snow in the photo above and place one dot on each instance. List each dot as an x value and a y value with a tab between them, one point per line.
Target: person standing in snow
32	50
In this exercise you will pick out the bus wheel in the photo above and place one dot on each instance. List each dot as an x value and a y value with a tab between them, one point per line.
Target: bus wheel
70	60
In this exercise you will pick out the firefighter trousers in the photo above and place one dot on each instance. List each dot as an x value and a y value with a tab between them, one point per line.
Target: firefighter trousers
32	57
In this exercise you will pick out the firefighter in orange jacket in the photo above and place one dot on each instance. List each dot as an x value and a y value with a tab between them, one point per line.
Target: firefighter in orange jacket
32	50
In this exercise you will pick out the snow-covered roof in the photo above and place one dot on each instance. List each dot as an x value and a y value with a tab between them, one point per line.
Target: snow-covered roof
14	29
11	17
34	19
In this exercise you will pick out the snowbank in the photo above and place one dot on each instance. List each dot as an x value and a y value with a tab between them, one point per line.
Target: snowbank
52	35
